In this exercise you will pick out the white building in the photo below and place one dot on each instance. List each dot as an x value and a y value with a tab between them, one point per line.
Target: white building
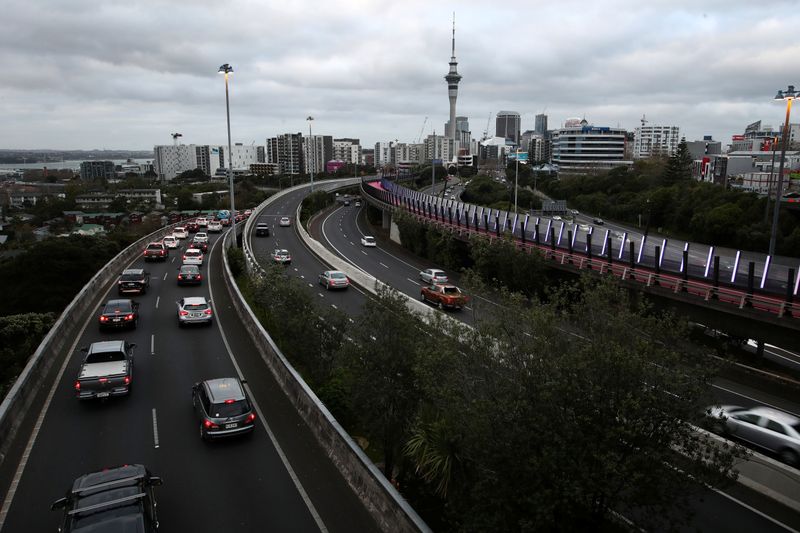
347	150
170	160
242	156
384	154
315	153
579	147
440	147
655	140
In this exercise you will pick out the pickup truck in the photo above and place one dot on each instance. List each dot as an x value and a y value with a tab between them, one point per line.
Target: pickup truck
156	251
107	370
444	296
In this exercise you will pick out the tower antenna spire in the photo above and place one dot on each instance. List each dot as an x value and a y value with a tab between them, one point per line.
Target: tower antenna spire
454	35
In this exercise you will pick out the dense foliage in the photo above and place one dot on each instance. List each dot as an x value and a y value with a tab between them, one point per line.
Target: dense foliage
487	192
20	335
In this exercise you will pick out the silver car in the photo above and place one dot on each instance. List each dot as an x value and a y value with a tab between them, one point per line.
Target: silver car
432	276
194	310
334	279
764	427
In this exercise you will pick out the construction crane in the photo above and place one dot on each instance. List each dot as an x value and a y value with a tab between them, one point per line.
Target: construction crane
486	131
421	130
175	138
643	121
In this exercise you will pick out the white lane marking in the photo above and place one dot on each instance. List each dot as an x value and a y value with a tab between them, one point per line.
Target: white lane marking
158	299
321	295
173	259
278	449
414	282
352	243
153	344
762	402
468	308
310	284
351	320
165	276
334	306
381	264
363	252
155	428
754	510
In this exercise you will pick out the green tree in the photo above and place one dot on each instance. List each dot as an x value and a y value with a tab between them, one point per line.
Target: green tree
118	205
20	336
679	166
185	200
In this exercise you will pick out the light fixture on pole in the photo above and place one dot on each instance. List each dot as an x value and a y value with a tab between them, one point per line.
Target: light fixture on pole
311	153
227	69
516	181
788	95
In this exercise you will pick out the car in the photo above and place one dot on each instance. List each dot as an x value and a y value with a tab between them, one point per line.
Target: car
193	256
347	203
433	275
106	370
156	251
189	275
170	241
358	203
133	280
598	221
764	427
575	212
443	295
120	498
223	408
556	218
192	227
202	222
200	236
584	227
262	229
367	240
281	256
180	232
214	226
119	313
334	279
247	213
202	246
194	310
285	222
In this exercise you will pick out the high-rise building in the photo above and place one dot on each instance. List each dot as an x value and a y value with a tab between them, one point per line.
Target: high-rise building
452	78
655	140
287	152
508	126
384	153
172	159
579	147
540	126
91	170
317	150
347	150
209	159
438	147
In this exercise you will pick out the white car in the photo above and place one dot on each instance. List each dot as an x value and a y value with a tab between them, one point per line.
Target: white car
285	222
202	222
193	256
201	236
214	226
180	233
366	240
194	310
433	276
556	218
170	241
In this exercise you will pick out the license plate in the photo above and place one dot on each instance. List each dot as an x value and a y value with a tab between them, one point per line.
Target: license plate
116	319
102	395
196	315
231	426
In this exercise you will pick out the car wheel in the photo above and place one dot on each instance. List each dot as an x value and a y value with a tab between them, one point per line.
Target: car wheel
441	305
789	457
202	433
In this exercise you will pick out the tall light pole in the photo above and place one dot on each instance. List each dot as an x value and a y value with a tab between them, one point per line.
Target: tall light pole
516	181
310	119
788	95
227	69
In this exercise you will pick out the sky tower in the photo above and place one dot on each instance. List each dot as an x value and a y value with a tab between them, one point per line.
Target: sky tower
453	77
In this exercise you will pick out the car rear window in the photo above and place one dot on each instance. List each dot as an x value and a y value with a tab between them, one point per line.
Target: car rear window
195	307
154	246
451	290
131	277
189	269
105	357
193	251
225	410
337	275
118	308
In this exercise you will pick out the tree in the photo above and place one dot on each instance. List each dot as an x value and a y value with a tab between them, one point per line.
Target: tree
118	205
679	166
20	335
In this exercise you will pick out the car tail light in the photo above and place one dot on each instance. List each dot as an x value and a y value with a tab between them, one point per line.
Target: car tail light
103	319
250	418
127	380
184	258
199	276
208	311
129	317
163	252
184	313
77	385
103	380
230	400
180	276
209	424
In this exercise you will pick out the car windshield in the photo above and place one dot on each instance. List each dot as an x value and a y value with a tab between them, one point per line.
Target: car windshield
195	307
229	408
368	239
105	357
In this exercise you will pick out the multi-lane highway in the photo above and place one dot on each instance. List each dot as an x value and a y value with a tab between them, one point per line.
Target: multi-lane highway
738	509
277	479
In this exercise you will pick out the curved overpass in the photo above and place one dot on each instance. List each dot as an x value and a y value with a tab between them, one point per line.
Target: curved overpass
280	479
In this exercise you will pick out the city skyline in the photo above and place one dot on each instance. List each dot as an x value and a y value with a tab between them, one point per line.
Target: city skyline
120	76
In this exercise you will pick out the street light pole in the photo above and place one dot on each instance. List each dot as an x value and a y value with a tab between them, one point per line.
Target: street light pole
310	119
226	69
516	182
789	95
771	173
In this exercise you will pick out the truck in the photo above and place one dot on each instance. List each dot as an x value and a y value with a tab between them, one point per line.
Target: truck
106	370
444	295
156	251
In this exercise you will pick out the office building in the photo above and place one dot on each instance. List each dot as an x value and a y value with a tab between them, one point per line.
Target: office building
649	141
507	125
93	170
540	125
287	152
579	147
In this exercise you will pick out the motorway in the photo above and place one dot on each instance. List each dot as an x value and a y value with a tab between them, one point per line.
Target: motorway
277	479
738	509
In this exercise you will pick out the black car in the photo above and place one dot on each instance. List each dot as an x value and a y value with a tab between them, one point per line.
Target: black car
133	280
199	245
119	314
113	499
222	408
262	229
189	275
192	227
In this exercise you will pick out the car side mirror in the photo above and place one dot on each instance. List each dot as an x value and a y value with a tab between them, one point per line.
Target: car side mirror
132	345
156	481
58	504
85	349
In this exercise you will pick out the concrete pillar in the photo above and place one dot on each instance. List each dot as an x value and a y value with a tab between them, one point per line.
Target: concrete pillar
387	219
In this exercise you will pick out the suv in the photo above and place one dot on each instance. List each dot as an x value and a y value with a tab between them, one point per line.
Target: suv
222	408
114	499
262	229
135	280
156	251
194	310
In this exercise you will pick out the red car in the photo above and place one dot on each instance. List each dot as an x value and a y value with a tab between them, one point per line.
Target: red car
192	227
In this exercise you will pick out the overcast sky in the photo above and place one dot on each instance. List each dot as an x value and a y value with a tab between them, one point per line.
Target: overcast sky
114	74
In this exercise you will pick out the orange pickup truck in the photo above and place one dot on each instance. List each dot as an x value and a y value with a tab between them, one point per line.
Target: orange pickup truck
444	296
